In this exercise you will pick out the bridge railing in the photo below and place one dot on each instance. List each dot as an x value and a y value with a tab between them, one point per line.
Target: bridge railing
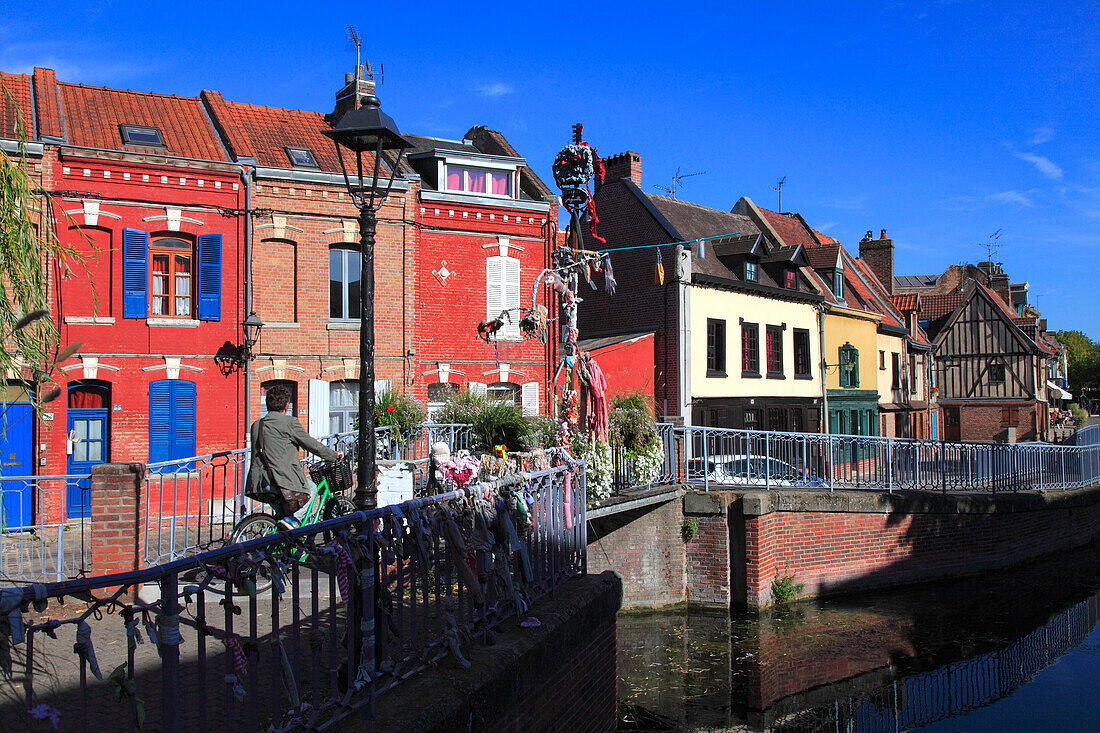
42	533
356	604
724	458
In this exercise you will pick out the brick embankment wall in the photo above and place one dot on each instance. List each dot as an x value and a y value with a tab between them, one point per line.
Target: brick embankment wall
848	541
645	548
557	677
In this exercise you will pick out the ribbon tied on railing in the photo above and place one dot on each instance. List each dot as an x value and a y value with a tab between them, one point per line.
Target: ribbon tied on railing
237	656
84	649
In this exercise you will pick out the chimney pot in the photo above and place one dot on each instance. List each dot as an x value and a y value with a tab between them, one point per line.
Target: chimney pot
869	234
883	235
349	78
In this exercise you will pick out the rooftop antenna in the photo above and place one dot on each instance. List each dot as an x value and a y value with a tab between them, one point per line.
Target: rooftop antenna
779	187
991	246
356	40
677	177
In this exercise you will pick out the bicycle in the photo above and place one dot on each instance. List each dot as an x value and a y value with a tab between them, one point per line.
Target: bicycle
326	503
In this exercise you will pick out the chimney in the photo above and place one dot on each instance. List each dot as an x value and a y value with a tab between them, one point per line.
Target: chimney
879	256
624	165
998	283
356	88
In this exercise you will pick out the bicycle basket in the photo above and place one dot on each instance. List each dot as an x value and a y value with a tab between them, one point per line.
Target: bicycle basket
337	474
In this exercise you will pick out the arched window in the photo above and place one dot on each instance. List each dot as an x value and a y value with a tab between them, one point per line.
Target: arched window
343	405
343	282
171	284
506	392
438	394
291	407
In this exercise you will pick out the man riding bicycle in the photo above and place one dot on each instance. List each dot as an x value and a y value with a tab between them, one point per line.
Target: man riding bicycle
276	440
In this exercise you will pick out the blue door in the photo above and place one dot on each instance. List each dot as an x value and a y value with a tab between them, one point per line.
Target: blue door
17	459
88	430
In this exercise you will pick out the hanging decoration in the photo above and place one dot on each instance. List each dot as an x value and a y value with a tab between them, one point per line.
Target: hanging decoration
660	277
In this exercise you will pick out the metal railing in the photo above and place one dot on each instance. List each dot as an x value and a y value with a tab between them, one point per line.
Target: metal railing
357	604
723	458
38	541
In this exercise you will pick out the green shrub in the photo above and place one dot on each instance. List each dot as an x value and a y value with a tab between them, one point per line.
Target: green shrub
632	424
689	529
461	408
398	411
502	423
544	432
784	589
1080	415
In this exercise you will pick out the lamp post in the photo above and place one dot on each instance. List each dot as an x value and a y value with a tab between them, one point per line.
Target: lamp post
251	327
361	138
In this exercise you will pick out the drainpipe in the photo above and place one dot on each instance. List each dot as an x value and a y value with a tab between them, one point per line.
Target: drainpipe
824	384
683	317
246	179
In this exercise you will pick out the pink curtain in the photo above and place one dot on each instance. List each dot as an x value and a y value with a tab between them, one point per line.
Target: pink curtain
454	179
477	181
500	184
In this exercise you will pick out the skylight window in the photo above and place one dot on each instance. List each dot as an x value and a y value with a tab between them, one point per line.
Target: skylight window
141	135
302	157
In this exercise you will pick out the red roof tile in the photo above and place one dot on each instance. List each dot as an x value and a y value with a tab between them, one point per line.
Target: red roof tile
48	104
93	116
789	229
17	88
906	301
935	306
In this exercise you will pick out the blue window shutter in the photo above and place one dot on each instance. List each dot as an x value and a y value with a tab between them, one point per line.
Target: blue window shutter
210	277
160	421
135	273
183	419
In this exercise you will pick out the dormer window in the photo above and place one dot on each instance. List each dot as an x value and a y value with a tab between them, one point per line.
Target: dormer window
838	284
790	279
301	158
464	179
751	272
141	135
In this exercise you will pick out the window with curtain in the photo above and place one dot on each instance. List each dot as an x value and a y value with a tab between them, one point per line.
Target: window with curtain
465	179
343	405
343	282
503	392
774	347
89	397
751	271
170	277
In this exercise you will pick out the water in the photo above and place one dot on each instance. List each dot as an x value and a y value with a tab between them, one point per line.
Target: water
1011	651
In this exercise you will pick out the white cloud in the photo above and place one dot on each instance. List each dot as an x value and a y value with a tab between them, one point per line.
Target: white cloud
1020	198
827	226
1044	165
497	89
1041	135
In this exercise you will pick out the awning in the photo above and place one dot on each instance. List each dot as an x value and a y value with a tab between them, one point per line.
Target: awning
1059	392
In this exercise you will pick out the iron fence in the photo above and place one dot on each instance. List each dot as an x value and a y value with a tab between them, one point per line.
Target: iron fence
754	459
356	604
39	540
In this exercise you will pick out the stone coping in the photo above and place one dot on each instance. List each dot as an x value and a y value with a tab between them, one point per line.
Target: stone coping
754	503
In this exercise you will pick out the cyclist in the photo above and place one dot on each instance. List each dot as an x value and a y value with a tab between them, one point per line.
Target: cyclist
276	439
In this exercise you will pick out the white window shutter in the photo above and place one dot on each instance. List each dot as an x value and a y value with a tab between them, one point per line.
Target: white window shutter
318	408
494	287
531	398
511	296
381	386
478	389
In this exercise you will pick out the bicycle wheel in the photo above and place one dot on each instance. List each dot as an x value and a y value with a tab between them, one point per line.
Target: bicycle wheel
337	506
252	527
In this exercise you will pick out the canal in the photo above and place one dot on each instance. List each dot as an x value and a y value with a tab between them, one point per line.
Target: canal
1008	651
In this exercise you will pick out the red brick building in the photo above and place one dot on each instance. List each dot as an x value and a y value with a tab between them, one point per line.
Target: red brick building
142	189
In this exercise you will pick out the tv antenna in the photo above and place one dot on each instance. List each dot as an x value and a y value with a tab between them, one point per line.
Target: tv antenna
677	177
356	40
991	246
779	187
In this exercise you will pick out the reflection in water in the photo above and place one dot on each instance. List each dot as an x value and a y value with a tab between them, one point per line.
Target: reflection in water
889	662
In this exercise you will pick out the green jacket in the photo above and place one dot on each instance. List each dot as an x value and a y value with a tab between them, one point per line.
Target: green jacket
283	437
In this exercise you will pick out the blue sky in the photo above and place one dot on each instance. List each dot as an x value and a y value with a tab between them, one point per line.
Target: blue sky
941	122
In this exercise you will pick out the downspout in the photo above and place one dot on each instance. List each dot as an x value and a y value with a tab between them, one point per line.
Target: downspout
824	371
683	318
246	179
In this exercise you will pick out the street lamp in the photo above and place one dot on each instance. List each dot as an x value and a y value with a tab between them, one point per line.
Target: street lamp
232	357
367	132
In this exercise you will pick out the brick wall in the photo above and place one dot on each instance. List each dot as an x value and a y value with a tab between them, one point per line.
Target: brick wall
645	548
985	422
116	542
881	540
708	553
